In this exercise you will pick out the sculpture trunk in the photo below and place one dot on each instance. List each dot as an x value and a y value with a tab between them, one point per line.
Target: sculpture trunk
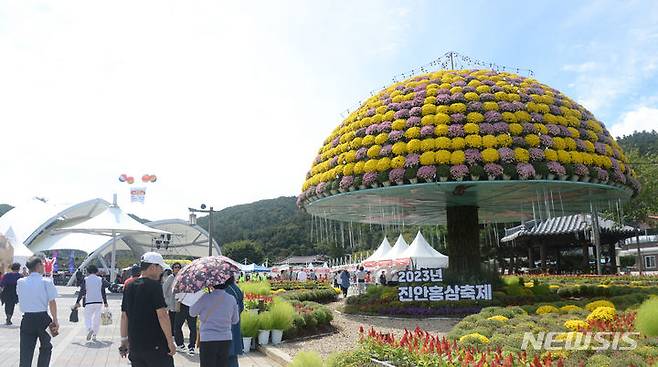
463	240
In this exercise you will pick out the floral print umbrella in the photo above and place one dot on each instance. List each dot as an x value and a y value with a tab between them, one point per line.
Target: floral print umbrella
204	272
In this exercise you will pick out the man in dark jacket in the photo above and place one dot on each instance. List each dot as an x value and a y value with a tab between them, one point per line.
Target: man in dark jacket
8	295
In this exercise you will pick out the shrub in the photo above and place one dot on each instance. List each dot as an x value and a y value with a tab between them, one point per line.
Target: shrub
307	359
265	320
498	318
598	360
646	320
259	288
282	314
575	325
474	338
596	304
570	308
248	324
602	314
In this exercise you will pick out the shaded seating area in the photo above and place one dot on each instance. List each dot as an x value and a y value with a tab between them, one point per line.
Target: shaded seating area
547	240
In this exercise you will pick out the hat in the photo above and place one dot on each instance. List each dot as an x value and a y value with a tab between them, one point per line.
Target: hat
153	258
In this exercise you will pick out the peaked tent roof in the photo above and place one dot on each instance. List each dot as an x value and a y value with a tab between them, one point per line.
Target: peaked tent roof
381	251
20	250
112	221
423	255
397	250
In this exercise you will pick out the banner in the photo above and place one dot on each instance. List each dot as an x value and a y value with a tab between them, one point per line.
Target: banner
72	262
421	285
137	194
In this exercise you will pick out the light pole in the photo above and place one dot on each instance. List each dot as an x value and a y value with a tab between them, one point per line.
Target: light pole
209	211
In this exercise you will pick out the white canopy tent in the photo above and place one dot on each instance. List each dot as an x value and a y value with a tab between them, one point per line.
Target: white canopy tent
395	253
423	255
19	252
378	255
115	223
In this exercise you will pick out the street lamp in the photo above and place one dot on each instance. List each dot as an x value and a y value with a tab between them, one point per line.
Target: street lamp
193	221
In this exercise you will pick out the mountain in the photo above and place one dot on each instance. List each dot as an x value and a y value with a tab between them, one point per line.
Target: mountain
646	142
283	230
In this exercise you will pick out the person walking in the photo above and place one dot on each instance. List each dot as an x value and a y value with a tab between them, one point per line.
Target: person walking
145	327
344	282
170	298
93	296
36	295
218	311
237	346
8	295
360	280
135	273
183	316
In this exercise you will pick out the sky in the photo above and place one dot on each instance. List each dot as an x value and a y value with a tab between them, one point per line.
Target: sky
227	102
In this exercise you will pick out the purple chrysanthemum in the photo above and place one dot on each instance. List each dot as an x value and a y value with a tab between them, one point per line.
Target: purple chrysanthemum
426	131
369	178
372	129
493	169
553	129
457	118
406	105
442	99
346	182
580	169
402	114
384	127
599	148
580	144
361	153
474	106
360	132
473	156
487	97
413	121
370	112
396	174
546	141
536	154
415	111
394	106
427	172
501	127
525	170
519	142
457	97
395	136
411	160
468	89
529	128
537	117
556	168
456	130
506	155
320	188
487	129
459	171
492	117
555	110
386	150
505	106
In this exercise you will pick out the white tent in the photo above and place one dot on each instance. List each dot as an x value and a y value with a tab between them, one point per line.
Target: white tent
423	255
20	252
378	255
112	222
396	252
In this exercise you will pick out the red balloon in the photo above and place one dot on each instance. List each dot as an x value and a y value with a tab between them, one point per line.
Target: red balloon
146	178
130	180
154	178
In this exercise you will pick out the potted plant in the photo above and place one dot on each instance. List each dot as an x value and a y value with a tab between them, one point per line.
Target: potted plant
458	172
509	171
358	182
411	174
493	170
443	172
282	315
382	177
370	180
594	174
476	171
264	327
427	173
249	328
556	169
541	170
397	176
335	185
581	171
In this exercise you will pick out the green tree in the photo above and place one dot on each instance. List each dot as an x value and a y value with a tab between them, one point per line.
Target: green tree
646	202
244	249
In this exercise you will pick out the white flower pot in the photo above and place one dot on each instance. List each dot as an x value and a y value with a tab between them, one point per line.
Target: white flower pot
563	177
585	178
443	179
263	337
277	335
574	178
342	190
413	180
492	178
594	180
475	178
507	177
399	182
334	192
429	180
351	188
538	177
362	187
459	179
374	186
386	183
246	341
550	176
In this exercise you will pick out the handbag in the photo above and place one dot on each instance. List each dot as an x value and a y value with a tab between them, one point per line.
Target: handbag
106	317
73	317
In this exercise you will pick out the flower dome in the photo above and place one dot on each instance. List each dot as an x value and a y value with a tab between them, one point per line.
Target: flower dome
466	125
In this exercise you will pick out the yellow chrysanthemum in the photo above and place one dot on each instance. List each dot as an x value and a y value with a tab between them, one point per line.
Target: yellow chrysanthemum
474	337
558	143
503	140
428	120
471	128
569	336
490	155
398	162
521	155
546	309
570	308
490	106
442	119
596	304
550	155
427	144
515	129
532	140
359	167
381	138
373	151
370	166
458	143
412	132
427	158
602	314
428	109
575	325
457	157
442	157
384	164
498	318
508	117
413	146
522	116
443	142
488	141
457	108
470	96
474	117
473	141
399	148
441	130
563	157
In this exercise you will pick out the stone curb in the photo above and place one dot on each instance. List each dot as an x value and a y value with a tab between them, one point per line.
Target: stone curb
275	354
397	318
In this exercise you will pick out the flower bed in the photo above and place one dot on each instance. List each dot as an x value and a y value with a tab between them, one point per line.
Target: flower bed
293	285
315	295
311	318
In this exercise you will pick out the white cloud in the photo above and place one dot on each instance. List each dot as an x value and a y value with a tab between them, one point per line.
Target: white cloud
227	102
642	118
581	68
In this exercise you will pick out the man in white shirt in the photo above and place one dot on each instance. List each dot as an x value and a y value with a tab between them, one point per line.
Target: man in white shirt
36	295
302	276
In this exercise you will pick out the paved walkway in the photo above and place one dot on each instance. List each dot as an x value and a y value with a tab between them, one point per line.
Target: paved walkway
71	349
